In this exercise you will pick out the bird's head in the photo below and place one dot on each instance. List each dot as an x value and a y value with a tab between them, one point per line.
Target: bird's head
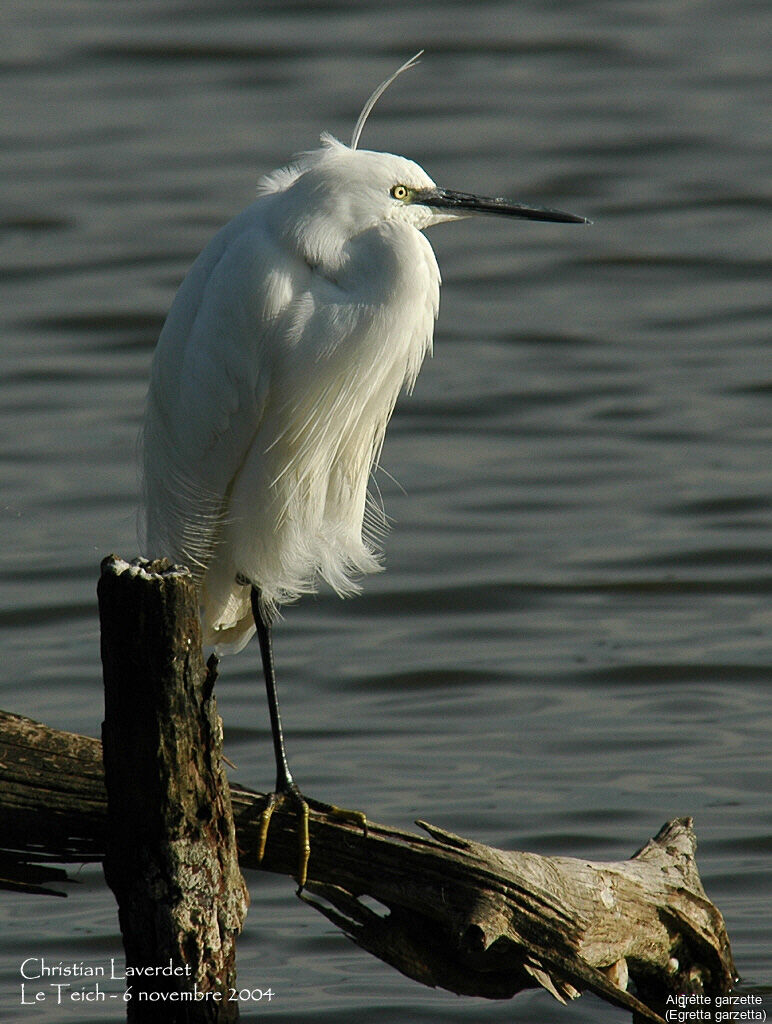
354	189
334	193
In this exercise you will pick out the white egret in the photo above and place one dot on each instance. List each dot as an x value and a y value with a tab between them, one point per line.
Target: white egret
273	382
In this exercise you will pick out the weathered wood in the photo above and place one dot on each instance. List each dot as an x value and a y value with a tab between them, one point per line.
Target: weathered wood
457	914
53	791
481	921
462	916
171	855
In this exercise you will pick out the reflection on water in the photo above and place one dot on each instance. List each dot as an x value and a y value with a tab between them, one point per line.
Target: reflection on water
571	642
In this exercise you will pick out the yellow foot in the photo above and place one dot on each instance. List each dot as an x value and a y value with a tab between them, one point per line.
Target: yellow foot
274	800
341	813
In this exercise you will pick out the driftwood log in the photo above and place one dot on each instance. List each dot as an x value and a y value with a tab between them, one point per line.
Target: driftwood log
456	914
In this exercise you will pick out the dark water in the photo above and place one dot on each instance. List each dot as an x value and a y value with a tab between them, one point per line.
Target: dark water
572	641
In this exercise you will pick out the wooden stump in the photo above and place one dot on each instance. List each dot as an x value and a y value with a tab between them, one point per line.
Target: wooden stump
171	856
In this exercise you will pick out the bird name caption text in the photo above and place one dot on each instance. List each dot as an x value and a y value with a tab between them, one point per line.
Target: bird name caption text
77	982
715	1009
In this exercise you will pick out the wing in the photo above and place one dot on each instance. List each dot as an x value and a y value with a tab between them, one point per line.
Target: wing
209	382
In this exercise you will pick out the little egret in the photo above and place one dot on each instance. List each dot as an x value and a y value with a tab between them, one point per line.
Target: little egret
272	384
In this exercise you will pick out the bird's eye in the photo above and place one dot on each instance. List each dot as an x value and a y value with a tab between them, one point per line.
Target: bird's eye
400	192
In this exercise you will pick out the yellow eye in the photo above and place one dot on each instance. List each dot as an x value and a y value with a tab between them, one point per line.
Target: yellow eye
400	192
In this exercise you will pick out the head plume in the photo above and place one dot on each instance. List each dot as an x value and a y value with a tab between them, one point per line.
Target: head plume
377	95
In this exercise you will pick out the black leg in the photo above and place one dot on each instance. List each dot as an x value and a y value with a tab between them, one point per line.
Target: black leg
284	782
286	788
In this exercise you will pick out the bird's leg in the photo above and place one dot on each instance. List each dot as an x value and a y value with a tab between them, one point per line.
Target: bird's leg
285	785
286	789
284	781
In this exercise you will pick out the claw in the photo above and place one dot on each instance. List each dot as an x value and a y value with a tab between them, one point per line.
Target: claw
272	801
265	820
304	844
303	805
342	814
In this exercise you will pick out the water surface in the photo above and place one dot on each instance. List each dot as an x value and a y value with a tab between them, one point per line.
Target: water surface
571	643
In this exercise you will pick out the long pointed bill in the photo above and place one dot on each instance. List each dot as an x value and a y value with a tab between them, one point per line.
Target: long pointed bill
463	204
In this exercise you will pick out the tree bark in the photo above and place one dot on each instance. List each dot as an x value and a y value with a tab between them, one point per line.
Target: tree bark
170	854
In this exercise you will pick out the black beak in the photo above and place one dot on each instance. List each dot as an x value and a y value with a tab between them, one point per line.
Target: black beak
464	203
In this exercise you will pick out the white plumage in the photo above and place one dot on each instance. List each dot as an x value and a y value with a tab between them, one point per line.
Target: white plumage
275	376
